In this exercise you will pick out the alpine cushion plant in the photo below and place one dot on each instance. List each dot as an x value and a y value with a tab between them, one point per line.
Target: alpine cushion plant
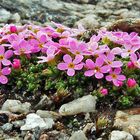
104	58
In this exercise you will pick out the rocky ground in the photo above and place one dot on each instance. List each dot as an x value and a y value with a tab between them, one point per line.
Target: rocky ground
91	13
79	119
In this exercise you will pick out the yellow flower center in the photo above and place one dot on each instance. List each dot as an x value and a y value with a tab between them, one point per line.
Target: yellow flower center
77	52
97	69
71	65
109	62
114	76
1	57
40	45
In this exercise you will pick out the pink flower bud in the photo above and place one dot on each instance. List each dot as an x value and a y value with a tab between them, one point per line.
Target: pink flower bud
104	91
16	64
13	29
131	82
130	65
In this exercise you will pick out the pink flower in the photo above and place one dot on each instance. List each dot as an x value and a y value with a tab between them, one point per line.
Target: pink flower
51	53
115	76
4	56
135	59
128	50
104	91
77	48
131	83
16	64
3	72
71	65
22	47
109	60
39	43
96	68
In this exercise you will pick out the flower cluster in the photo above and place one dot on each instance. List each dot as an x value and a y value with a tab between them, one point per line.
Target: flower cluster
104	56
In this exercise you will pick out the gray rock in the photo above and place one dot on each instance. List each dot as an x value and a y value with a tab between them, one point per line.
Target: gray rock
7	127
83	1
58	135
89	22
128	122
16	106
16	18
33	121
120	135
48	114
81	105
78	135
44	102
18	123
4	15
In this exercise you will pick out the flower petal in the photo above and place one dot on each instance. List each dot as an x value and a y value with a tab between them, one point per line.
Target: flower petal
121	77
105	69
8	54
90	64
6	62
99	61
79	66
78	59
6	71
116	50
115	82
2	50
62	66
67	58
3	79
116	64
70	72
89	73
99	75
109	78
110	56
117	70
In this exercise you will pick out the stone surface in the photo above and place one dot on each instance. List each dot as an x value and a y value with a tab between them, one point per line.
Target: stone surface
69	12
80	105
33	121
78	135
48	114
7	127
16	106
4	15
128	122
120	135
18	123
89	22
44	102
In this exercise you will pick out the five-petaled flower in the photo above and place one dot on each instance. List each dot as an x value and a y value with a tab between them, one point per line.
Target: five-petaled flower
71	65
115	76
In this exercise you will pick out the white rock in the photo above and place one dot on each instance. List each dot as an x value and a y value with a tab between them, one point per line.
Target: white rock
83	1
33	121
128	122
120	135
78	135
85	104
16	106
48	114
89	22
4	15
